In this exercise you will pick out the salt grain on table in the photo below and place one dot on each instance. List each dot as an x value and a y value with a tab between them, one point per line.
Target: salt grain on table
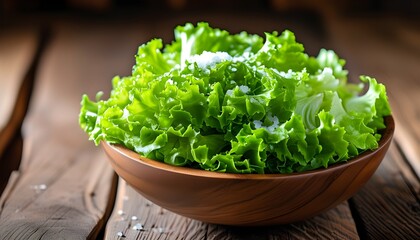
39	188
138	227
159	230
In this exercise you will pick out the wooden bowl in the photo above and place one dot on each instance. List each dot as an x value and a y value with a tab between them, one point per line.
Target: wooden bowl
247	199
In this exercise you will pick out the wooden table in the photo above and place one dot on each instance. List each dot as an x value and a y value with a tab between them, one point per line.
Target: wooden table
55	184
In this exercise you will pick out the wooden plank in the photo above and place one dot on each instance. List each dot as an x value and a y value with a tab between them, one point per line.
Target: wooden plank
17	52
135	217
388	206
64	187
20	50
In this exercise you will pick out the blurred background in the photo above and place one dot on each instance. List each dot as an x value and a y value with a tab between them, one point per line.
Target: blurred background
310	19
406	7
233	15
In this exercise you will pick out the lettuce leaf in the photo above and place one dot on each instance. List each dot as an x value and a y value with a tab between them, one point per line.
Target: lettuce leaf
238	103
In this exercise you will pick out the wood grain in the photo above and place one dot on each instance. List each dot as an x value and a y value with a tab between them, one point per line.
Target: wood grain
20	52
132	209
388	206
17	49
64	187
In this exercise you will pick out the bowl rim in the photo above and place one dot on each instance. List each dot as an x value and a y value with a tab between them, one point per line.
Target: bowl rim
387	134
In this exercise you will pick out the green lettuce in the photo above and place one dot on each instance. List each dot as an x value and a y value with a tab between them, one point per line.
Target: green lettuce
238	103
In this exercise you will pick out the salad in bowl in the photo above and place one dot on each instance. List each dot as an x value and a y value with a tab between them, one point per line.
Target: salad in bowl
238	103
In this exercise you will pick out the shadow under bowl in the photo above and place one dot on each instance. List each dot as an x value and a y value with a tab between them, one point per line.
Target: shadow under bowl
247	199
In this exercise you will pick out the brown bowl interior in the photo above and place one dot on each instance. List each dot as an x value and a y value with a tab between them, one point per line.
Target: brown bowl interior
247	199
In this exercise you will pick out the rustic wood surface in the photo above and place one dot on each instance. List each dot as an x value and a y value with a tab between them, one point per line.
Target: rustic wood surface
17	49
20	52
65	187
137	218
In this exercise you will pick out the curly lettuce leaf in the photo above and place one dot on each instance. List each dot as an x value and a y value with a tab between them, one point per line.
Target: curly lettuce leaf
238	103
